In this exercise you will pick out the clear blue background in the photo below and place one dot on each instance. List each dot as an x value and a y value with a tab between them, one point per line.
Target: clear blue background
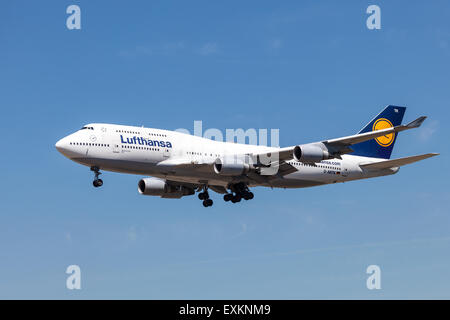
310	68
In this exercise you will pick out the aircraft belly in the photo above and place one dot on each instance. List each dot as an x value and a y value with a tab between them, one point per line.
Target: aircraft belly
203	174
116	165
303	179
145	168
294	183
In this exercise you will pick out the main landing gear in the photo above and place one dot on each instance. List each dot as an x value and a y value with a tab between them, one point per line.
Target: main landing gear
239	191
207	202
97	182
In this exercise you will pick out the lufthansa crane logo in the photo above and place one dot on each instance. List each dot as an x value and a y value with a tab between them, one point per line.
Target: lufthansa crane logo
386	140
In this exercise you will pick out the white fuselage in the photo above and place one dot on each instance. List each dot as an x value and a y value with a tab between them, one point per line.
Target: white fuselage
155	152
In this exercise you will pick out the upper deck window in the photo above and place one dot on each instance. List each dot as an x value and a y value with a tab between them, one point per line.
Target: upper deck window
89	128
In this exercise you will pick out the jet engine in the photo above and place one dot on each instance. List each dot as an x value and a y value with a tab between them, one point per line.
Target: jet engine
160	187
231	166
310	153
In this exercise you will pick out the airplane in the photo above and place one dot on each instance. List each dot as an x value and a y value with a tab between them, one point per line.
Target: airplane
178	164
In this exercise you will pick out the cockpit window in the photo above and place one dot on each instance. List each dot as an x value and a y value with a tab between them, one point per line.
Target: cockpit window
89	128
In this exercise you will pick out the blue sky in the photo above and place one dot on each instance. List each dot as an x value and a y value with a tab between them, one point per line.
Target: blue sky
311	69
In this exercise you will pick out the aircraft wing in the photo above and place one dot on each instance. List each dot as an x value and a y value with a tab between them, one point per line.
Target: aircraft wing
396	162
334	148
283	168
357	138
339	146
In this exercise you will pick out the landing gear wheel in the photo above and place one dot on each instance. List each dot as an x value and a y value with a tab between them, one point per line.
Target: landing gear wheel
228	197
97	183
240	191
207	203
248	195
236	198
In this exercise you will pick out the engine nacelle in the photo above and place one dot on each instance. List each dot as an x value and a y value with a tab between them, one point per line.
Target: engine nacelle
159	187
231	166
310	153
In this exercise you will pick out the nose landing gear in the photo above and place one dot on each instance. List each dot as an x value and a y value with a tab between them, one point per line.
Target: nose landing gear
97	182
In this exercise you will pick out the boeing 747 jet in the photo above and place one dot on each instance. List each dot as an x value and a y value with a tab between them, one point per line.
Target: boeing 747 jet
177	164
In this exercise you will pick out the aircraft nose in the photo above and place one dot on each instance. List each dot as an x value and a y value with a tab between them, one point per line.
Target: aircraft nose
59	145
63	146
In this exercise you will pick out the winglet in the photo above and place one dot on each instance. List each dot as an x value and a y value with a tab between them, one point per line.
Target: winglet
416	123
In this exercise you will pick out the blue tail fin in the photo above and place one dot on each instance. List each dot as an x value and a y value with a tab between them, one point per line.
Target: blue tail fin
380	147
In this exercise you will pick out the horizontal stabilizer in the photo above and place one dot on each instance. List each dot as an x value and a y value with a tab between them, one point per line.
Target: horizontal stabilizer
396	162
416	123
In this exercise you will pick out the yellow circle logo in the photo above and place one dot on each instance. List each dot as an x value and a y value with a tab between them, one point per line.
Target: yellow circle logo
386	140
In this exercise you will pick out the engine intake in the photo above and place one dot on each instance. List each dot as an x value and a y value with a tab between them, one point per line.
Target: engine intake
159	187
310	153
